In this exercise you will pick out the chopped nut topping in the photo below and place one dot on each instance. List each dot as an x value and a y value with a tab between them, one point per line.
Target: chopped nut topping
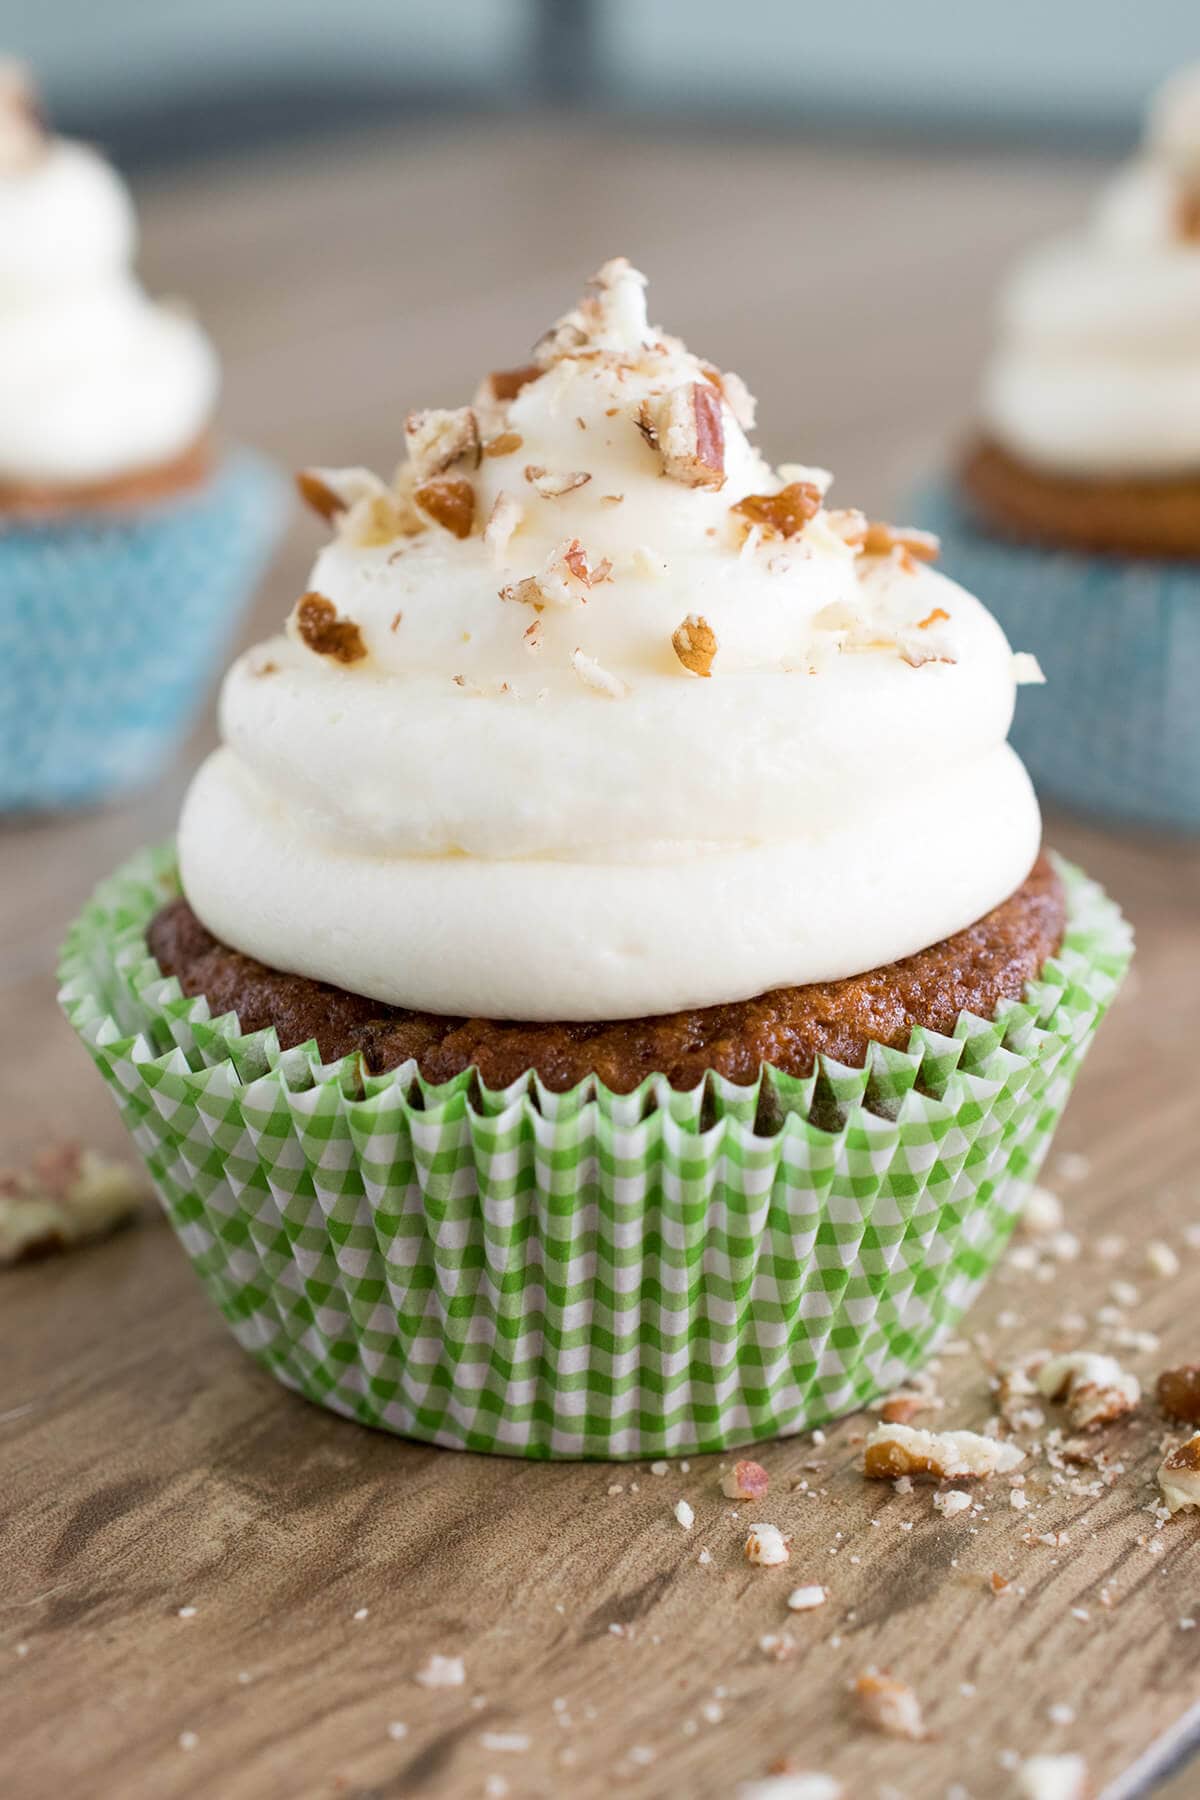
1187	215
1179	1476
766	1546
695	644
549	485
946	1455
784	513
505	517
505	384
594	676
1178	1393
23	133
745	1481
881	540
439	438
321	631
507	444
575	556
450	501
1094	1388
441	1671
332	491
890	1705
899	1409
687	430
738	398
951	1503
564	338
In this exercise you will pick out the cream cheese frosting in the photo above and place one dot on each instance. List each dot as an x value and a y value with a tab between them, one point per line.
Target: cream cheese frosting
1097	372
96	380
592	714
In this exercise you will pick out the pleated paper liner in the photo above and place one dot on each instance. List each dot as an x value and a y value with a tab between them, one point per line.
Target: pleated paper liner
1117	733
584	1274
112	629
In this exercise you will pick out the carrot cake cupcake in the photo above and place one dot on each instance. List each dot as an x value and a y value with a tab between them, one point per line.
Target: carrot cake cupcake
1075	506
608	994
127	539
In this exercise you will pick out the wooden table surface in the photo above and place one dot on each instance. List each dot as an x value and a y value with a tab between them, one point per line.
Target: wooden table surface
149	1466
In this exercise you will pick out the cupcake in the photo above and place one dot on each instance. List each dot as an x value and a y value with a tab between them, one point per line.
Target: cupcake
1075	507
608	996
128	541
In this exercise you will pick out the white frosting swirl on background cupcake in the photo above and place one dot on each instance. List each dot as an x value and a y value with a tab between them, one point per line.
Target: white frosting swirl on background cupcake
633	741
96	380
1098	368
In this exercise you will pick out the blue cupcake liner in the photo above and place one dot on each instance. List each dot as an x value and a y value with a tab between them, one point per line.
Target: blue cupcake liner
1116	731
112	629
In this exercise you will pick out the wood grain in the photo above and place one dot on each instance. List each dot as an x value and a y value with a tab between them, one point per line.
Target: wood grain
149	1466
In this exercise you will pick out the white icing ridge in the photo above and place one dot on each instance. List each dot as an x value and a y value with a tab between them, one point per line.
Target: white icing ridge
1097	371
495	788
96	380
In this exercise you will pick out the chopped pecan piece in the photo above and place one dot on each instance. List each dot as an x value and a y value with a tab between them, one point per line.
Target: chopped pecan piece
745	1481
321	631
1178	1393
695	644
552	485
506	384
784	513
687	430
330	492
438	438
1179	1476
507	444
738	398
893	1450
766	1546
594	675
881	540
889	1705
450	501
504	519
1094	1388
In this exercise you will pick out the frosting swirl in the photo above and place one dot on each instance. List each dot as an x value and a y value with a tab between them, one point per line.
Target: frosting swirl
96	380
1098	367
592	714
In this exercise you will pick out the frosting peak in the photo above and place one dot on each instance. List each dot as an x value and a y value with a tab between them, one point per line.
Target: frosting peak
96	381
1098	368
589	712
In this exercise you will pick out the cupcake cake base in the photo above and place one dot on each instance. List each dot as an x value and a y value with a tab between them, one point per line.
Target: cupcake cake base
788	1029
585	1273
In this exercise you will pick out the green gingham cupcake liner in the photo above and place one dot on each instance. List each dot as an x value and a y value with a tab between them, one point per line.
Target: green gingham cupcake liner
585	1274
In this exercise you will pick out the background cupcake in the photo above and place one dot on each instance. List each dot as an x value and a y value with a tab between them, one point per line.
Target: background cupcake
616	1003
1075	509
128	539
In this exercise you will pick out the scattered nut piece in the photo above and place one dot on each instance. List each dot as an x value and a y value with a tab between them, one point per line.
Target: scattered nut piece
67	1196
593	675
450	501
745	1481
807	1599
1052	1778
1042	1212
766	1546
1094	1388
1178	1392
684	1514
738	398
784	513
505	384
902	1406
688	432
1179	1476
441	1671
695	644
946	1455
889	1705
552	486
952	1503
440	437
320	630
330	492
